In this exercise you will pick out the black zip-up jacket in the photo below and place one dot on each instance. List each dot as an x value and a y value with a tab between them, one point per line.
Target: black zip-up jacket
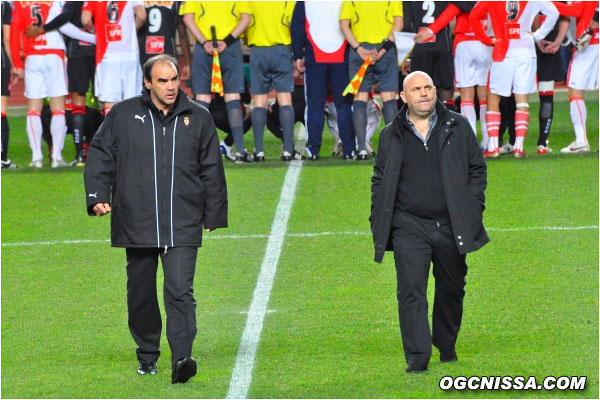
463	175
162	175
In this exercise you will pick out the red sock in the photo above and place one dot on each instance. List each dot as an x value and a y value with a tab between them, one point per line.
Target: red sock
492	119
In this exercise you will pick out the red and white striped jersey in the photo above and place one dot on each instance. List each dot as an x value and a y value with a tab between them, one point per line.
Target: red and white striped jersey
462	29
583	11
116	34
511	22
26	13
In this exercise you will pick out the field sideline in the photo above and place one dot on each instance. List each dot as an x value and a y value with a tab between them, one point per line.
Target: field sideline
327	312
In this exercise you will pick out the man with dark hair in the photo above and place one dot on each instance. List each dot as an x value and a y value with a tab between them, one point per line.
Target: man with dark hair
160	192
427	206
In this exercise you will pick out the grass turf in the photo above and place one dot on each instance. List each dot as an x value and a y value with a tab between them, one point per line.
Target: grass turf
531	306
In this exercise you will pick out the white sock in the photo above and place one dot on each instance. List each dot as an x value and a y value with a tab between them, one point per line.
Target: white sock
519	142
578	117
34	133
483	123
468	110
58	129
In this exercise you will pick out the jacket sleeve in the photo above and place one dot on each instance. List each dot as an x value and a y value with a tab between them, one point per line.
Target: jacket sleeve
212	176
379	167
551	14
477	167
101	164
475	16
298	31
444	18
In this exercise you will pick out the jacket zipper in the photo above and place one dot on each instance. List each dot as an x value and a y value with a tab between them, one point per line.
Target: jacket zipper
155	179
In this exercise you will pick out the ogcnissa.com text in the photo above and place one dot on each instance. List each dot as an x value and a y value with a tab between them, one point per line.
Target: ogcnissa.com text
512	383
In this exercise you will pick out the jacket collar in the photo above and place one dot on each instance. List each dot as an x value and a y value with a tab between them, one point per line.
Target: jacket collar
401	121
181	104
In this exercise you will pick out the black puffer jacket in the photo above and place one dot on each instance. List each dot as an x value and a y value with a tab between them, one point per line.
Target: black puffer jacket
463	174
163	176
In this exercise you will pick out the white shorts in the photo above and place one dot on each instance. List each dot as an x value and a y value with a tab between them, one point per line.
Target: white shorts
583	70
518	74
45	76
472	63
117	80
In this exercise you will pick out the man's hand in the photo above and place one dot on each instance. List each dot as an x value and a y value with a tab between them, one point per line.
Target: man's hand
363	53
208	47
422	36
299	65
548	47
405	67
208	230
32	31
19	73
101	209
378	55
185	73
221	46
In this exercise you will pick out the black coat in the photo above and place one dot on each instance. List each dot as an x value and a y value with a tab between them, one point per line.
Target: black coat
463	174
164	178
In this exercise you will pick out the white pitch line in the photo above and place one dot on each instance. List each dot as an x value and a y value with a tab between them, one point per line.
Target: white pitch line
241	376
308	234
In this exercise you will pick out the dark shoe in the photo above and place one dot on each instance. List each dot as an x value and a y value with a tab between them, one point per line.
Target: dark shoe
448	356
293	156
348	157
149	368
314	157
78	161
362	156
260	156
183	370
416	368
243	158
9	164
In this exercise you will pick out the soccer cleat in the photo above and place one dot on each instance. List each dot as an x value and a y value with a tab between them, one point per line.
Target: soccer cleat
286	156
59	163
227	151
448	356
313	157
369	147
36	163
362	156
491	154
507	148
337	149
541	150
243	158
147	369
78	162
416	368
576	148
9	164
349	156
518	153
260	156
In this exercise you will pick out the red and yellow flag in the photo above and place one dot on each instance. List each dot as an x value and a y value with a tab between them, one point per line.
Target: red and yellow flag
216	79
355	82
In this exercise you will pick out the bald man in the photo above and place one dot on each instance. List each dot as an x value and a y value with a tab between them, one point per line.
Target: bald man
427	206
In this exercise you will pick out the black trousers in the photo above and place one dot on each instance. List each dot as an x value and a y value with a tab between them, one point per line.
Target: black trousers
145	324
417	243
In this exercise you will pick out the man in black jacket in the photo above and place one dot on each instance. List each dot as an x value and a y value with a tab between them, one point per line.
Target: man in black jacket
427	203
155	165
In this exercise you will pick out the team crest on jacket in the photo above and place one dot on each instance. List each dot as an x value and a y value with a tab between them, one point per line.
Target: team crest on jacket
186	120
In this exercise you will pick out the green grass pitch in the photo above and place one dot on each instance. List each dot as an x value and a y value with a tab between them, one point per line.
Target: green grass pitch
531	307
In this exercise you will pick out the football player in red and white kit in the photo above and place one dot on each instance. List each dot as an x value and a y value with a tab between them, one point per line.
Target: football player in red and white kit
513	60
583	70
472	61
118	71
45	75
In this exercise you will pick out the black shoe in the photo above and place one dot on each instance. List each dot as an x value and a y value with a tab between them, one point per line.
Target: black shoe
314	157
183	370
448	356
362	156
260	156
147	368
416	368
294	156
9	164
243	158
349	157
